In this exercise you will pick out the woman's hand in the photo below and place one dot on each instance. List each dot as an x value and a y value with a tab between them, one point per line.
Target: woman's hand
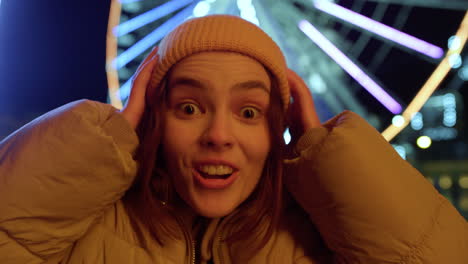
301	114
135	106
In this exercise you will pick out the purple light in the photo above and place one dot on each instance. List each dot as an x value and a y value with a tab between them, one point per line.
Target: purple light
352	69
378	28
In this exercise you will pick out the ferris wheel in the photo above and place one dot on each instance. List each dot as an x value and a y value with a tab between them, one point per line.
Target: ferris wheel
325	41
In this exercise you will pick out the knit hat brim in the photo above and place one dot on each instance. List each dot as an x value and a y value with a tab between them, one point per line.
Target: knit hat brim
220	33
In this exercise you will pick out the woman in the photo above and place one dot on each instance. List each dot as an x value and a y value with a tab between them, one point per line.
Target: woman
193	170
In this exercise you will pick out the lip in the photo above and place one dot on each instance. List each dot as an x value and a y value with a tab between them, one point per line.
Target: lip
214	183
215	162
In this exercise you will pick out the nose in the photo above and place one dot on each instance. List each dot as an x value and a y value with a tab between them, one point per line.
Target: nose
217	134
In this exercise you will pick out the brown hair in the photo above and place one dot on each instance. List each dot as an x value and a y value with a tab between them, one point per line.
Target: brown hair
149	200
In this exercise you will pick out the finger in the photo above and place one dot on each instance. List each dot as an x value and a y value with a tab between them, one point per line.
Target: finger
299	89
301	93
141	79
148	58
303	104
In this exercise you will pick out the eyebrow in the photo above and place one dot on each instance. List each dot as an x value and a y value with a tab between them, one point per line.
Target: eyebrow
187	81
243	85
252	84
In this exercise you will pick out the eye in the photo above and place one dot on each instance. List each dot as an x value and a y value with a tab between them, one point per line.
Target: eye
250	112
189	109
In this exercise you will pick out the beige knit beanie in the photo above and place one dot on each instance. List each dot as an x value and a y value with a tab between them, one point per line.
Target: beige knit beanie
220	33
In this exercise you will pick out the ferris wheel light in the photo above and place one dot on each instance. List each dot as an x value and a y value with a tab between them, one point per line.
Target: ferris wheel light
380	29
150	16
350	67
454	43
424	142
455	61
463	73
247	11
201	9
398	120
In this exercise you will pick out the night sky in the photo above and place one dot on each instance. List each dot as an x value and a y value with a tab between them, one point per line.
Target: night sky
52	52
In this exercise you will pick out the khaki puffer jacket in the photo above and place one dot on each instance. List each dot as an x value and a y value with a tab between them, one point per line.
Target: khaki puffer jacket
62	177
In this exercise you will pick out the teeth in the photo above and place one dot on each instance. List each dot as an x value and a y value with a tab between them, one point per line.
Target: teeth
216	169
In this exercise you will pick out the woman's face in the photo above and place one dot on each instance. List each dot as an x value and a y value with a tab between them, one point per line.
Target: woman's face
216	136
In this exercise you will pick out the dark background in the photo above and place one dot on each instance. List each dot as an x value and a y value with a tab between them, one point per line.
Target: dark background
52	52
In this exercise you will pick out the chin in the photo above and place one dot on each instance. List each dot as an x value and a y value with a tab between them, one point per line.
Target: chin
210	212
213	213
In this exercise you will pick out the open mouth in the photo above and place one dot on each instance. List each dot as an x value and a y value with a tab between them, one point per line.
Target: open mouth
215	171
214	176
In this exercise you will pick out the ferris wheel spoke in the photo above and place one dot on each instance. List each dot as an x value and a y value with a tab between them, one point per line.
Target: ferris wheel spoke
128	1
379	29
151	39
357	7
149	16
439	4
364	39
350	67
384	50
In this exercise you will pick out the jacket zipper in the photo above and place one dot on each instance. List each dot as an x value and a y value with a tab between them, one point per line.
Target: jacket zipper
193	251
220	250
188	237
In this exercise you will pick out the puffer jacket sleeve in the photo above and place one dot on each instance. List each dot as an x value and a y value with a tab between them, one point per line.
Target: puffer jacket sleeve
57	176
370	205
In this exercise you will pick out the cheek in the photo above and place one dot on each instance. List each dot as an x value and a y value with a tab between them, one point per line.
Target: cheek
175	141
177	136
257	146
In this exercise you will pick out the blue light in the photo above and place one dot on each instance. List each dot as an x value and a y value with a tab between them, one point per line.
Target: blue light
417	122
441	133
124	91
450	112
450	117
398	120
463	73
125	57
149	17
454	43
287	136
201	9
247	11
449	100
455	61
317	84
128	1
401	150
